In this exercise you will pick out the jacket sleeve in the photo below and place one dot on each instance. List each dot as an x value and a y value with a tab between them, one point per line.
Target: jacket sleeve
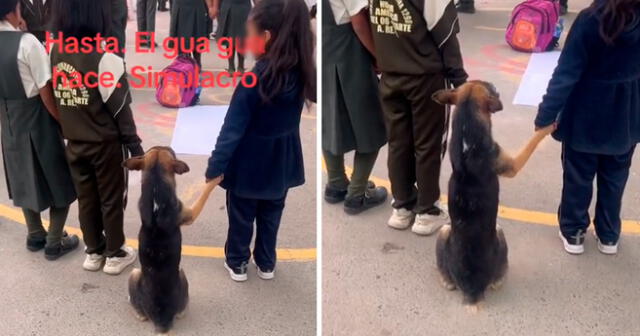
442	21
117	98
243	103
573	60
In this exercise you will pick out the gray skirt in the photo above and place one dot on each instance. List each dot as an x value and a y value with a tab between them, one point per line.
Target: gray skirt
189	18
233	17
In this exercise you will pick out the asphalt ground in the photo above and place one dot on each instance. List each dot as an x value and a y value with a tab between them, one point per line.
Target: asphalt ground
379	281
59	298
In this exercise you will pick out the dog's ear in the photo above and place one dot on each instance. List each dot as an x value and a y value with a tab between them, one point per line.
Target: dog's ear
180	167
134	163
446	97
493	104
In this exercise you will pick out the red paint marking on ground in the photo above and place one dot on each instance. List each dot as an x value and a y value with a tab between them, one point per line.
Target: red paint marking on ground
491	52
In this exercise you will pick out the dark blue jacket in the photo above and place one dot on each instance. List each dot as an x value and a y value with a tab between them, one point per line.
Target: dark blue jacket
258	149
595	90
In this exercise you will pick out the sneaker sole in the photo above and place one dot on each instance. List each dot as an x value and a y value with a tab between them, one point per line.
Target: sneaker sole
605	249
118	271
571	249
235	277
430	232
263	276
92	269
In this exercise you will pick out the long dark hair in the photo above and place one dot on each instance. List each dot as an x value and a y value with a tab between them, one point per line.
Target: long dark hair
81	18
615	16
7	7
289	48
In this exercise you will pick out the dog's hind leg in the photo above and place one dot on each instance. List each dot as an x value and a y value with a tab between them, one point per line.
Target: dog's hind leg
442	258
501	260
184	295
134	294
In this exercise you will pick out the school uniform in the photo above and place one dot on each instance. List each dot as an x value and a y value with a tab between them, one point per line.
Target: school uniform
37	14
594	95
418	54
260	155
189	19
232	22
351	114
101	133
146	14
36	171
118	11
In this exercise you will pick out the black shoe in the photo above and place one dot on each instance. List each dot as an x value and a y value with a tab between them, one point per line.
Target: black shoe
238	274
333	195
66	245
35	245
163	9
466	7
371	198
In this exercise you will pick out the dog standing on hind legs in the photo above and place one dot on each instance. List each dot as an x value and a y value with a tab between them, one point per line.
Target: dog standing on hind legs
472	252
159	291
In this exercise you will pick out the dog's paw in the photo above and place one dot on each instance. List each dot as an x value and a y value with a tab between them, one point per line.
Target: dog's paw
473	308
448	285
140	317
496	285
181	314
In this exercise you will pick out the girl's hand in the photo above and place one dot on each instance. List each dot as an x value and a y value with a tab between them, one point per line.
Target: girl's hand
214	182
547	129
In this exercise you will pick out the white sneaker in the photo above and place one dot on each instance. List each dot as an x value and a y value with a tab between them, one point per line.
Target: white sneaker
401	219
265	275
608	249
93	262
577	248
426	225
239	274
115	265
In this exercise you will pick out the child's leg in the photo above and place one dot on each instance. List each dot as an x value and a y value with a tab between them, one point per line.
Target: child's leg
577	191
34	225
89	212
428	129
242	213
267	224
337	178
58	218
613	173
241	67
401	159
111	183
362	166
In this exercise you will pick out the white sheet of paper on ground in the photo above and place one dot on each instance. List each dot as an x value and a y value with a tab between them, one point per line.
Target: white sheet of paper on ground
536	78
197	129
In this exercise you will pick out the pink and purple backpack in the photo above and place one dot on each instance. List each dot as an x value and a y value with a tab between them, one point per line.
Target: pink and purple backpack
179	85
533	26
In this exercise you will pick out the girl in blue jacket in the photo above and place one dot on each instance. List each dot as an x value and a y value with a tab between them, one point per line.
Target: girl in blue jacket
594	96
258	154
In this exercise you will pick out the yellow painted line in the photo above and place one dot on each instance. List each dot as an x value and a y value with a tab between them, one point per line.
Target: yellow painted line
298	255
515	214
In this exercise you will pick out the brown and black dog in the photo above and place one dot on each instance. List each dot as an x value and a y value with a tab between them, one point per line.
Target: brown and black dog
472	252
159	291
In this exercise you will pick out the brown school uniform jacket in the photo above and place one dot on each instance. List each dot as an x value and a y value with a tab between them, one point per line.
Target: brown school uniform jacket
413	40
93	113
